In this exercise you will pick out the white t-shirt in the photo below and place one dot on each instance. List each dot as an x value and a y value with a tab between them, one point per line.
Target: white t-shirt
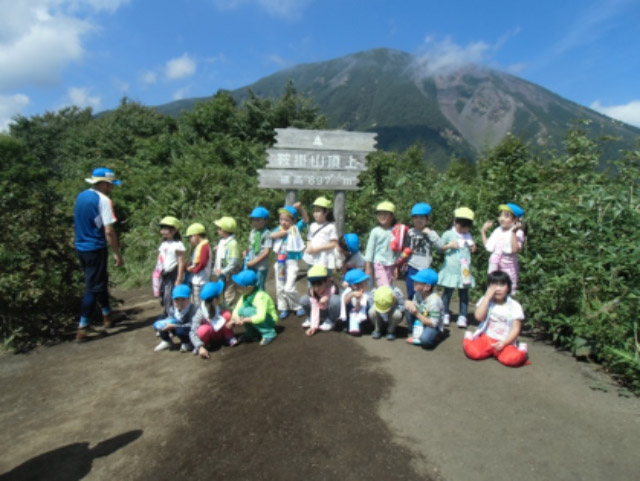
320	235
169	254
499	242
105	206
500	318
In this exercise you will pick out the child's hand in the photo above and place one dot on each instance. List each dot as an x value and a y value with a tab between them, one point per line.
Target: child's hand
452	245
297	205
410	306
516	226
426	230
357	294
230	324
203	353
474	248
190	269
345	284
324	300
487	225
311	331
311	250
498	346
217	272
491	291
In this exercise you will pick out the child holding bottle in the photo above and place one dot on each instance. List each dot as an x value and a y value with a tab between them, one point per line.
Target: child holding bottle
227	260
425	310
356	301
456	270
260	243
321	303
380	258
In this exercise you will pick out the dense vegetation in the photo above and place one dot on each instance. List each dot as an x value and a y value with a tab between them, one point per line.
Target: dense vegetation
579	271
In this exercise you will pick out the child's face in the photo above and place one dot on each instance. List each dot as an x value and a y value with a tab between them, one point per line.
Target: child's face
167	232
384	218
319	214
361	286
194	240
462	229
181	303
258	223
501	292
223	233
420	221
286	221
506	219
319	285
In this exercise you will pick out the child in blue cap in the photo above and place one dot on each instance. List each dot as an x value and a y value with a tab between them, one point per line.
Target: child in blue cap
255	310
356	300
425	310
260	243
350	256
505	241
179	322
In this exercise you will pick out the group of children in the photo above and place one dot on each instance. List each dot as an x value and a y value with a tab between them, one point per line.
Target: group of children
209	311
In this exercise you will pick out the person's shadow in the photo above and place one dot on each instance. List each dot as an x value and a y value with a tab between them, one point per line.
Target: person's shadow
69	463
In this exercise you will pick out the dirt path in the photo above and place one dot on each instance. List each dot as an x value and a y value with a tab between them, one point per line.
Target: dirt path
329	407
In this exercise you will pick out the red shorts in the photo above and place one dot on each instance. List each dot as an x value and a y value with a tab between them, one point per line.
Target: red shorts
482	347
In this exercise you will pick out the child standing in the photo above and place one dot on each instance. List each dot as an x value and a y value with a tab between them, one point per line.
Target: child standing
322	238
356	300
255	310
322	302
456	271
288	245
379	256
179	322
387	310
257	255
170	260
501	319
211	325
227	257
505	242
200	267
426	308
349	256
421	240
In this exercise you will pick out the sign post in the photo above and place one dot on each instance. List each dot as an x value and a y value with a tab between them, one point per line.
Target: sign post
320	160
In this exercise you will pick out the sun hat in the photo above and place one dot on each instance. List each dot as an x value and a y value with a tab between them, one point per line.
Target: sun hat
421	208
245	278
170	221
353	242
322	202
463	213
227	224
181	291
383	299
259	213
356	276
196	228
317	273
102	174
515	209
425	276
211	290
290	211
386	206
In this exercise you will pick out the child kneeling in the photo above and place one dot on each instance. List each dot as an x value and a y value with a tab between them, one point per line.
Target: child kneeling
255	310
387	311
356	301
322	302
425	310
179	322
211	326
501	321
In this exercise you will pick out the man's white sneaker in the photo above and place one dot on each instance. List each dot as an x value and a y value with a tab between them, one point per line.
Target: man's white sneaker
445	320
307	323
462	322
326	326
162	346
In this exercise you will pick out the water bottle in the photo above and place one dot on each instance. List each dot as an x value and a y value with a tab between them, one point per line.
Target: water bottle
417	331
465	271
282	268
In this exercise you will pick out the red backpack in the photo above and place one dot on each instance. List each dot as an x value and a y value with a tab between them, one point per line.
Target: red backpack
397	237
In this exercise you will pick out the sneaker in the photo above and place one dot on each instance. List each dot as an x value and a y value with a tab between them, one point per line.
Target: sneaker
186	347
284	314
376	335
301	312
445	320
468	335
462	322
306	324
113	318
265	341
84	334
233	342
163	346
391	336
327	326
354	332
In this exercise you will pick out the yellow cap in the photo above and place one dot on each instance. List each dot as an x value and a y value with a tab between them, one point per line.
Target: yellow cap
227	224
317	272
383	299
170	221
322	202
463	213
196	228
386	206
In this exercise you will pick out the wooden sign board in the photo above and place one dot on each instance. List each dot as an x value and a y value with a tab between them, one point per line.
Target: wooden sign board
325	140
308	179
315	159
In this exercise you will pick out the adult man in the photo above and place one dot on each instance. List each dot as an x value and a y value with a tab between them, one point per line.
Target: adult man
94	232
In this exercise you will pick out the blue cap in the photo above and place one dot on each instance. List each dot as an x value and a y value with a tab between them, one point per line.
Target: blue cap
353	242
211	290
102	174
245	278
515	209
290	210
426	276
181	291
421	208
355	276
259	213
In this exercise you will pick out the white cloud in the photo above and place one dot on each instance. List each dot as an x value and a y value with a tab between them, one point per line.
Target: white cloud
628	113
149	77
81	97
180	67
277	59
11	105
442	57
287	9
181	93
120	85
516	68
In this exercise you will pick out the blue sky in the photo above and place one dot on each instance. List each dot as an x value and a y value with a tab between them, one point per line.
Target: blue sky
55	53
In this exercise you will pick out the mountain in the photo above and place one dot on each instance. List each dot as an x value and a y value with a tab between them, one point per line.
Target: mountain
462	111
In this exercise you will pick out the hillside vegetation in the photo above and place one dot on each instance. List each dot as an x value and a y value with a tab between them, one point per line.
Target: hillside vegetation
579	270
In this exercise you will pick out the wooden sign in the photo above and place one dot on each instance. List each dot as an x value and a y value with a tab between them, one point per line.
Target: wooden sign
314	159
325	140
308	179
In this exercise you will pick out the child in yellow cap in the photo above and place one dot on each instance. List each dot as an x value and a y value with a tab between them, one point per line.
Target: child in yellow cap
227	260
380	258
